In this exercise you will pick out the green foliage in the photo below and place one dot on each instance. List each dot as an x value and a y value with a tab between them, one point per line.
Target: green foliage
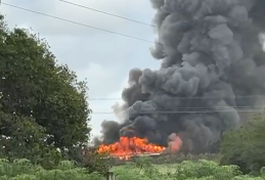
173	158
96	163
245	147
90	160
142	170
23	170
42	105
187	170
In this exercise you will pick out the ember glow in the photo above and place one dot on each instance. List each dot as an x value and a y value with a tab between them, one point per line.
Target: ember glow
127	147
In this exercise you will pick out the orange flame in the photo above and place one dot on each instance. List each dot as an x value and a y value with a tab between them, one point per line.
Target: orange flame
175	144
128	147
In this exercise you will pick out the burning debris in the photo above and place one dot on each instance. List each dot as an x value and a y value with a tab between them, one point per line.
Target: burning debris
212	71
127	147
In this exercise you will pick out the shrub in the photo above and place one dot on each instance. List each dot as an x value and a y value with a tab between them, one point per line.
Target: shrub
22	169
187	170
245	147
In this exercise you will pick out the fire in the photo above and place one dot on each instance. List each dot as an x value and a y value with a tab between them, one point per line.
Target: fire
127	147
174	143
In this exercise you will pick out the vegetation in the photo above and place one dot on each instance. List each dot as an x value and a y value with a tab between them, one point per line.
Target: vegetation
92	161
245	147
172	158
205	170
43	106
23	170
187	170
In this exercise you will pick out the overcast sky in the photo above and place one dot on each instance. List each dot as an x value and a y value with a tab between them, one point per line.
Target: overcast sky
104	59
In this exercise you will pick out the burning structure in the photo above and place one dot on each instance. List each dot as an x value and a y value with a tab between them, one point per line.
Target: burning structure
212	73
134	146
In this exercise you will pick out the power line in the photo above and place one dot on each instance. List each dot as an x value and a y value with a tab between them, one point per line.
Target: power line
104	30
207	107
78	23
186	98
108	13
185	112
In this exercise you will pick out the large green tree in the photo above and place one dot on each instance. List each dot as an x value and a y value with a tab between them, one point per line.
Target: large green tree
41	103
245	147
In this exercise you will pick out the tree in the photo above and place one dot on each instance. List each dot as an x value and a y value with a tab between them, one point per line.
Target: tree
245	147
41	103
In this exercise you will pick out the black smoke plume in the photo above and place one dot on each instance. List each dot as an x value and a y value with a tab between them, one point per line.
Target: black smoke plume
212	74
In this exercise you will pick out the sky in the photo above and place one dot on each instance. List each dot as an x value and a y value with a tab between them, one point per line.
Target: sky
102	58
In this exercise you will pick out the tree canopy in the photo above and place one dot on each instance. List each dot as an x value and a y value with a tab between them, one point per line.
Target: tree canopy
245	147
42	104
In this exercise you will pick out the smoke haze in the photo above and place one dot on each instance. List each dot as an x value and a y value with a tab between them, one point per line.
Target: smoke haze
212	72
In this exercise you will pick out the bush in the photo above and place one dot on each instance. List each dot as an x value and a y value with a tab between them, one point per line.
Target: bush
245	147
171	158
187	170
23	169
89	159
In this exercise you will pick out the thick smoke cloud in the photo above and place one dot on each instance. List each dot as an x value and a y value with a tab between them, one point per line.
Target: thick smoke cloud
111	129
212	71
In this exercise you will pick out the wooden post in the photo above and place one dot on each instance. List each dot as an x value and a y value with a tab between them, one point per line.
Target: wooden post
110	176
